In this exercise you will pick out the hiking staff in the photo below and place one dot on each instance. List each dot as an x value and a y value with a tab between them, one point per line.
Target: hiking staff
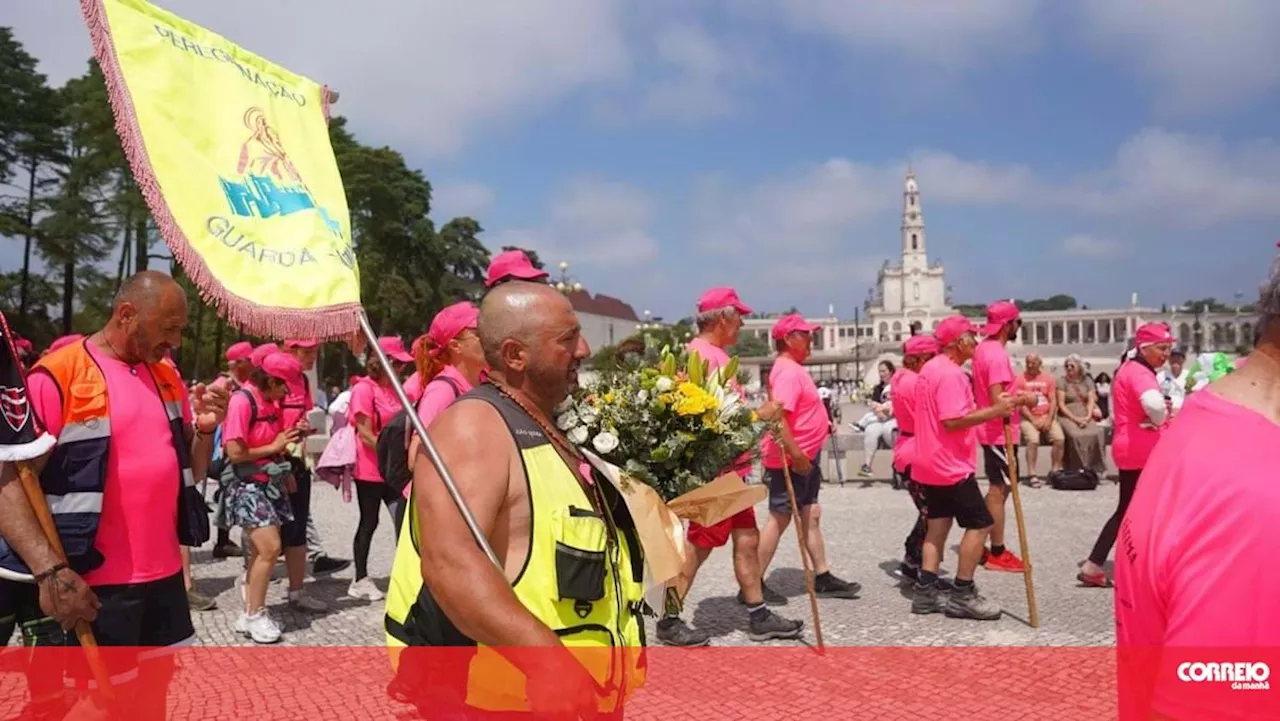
1011	453
802	537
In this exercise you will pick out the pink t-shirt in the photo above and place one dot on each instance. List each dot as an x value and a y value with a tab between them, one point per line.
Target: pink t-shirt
991	365
716	358
436	396
138	529
413	388
1134	437
1195	561
379	404
792	386
943	392
263	431
903	399
297	403
1043	387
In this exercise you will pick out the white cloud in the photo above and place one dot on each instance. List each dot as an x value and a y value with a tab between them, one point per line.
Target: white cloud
940	33
452	200
1090	247
1172	179
592	223
1199	55
418	75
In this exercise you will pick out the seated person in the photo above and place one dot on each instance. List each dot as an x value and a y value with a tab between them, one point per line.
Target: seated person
1040	422
1078	416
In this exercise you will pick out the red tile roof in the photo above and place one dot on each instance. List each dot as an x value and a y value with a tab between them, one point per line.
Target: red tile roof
601	304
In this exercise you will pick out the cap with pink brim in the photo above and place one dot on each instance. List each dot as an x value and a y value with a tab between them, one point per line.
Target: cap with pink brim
792	323
512	265
722	297
261	352
998	314
920	345
952	329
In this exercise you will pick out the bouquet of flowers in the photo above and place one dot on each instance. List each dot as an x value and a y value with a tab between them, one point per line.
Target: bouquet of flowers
664	419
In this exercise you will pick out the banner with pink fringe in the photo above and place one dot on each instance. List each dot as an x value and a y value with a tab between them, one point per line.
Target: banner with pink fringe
232	155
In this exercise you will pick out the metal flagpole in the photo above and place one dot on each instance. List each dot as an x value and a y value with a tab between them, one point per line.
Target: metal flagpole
432	453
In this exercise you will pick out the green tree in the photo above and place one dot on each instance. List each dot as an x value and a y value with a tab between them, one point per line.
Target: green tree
751	346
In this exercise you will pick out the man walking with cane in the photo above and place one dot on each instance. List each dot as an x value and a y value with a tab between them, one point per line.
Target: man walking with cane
803	430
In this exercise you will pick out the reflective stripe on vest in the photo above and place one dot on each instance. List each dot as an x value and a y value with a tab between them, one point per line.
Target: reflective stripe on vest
584	587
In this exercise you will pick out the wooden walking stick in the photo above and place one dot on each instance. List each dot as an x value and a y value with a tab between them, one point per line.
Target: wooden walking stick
31	485
1010	452
802	537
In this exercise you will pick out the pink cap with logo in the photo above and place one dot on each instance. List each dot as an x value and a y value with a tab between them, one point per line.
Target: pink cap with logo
999	313
792	323
261	352
393	347
1152	334
63	341
240	351
512	265
451	321
301	343
722	297
283	366
920	345
953	329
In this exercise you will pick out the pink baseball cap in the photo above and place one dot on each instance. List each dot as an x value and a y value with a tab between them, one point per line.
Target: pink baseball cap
261	352
920	345
451	321
1152	334
792	323
63	341
999	313
284	366
22	344
393	347
512	264
301	343
239	351
952	329
722	297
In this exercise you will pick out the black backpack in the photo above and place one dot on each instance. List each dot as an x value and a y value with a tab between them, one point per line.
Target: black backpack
1083	479
393	443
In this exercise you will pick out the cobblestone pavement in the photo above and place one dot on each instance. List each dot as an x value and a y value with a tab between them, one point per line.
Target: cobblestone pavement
864	523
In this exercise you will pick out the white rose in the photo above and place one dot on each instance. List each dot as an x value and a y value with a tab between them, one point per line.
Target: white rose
664	384
578	436
605	442
564	405
642	397
567	420
588	418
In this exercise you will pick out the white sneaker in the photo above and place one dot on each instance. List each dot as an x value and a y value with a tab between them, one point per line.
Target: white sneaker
303	601
259	627
364	588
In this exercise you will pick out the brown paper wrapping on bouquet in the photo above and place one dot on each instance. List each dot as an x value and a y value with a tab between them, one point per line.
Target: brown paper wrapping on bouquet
659	526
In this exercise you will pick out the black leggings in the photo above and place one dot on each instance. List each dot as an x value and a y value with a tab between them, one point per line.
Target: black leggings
1107	538
371	495
914	545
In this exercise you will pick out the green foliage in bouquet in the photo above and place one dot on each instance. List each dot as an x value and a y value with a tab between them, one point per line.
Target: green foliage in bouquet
664	418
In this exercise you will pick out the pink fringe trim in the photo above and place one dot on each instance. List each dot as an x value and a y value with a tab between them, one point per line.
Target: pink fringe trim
324	102
336	322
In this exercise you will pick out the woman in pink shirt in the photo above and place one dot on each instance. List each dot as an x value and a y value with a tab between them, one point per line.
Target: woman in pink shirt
1139	409
258	480
449	361
373	404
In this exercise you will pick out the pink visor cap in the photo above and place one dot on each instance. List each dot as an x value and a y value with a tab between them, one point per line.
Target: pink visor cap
792	323
63	341
722	297
451	321
240	351
998	314
301	343
283	366
1153	334
261	352
512	264
952	329
393	347
920	345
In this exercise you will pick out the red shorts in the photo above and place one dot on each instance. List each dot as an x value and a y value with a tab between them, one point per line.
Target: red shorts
718	535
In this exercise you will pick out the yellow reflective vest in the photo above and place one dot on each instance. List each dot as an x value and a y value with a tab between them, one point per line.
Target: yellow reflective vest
583	578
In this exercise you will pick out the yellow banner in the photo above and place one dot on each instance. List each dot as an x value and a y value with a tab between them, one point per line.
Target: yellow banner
233	157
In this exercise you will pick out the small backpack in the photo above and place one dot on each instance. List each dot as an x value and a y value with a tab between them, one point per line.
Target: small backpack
393	443
1083	479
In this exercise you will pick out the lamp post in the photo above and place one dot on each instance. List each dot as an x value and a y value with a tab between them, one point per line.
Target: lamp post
567	283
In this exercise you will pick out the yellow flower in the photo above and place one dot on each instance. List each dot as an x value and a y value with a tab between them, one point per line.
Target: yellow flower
694	401
608	397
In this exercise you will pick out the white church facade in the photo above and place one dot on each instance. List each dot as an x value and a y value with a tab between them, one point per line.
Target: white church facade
913	291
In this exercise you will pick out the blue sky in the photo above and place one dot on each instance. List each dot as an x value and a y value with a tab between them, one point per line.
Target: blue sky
1098	147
